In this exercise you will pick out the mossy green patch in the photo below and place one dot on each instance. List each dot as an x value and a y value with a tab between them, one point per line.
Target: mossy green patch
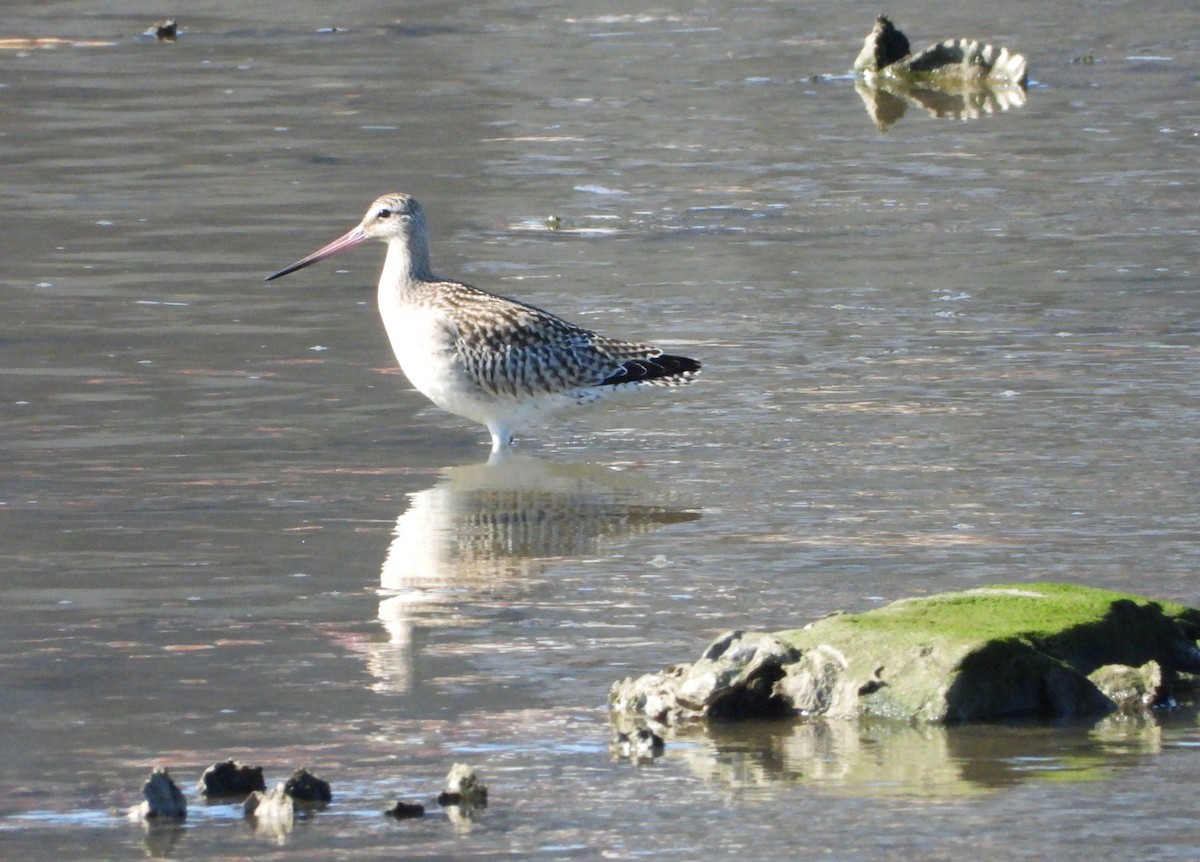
1027	612
999	651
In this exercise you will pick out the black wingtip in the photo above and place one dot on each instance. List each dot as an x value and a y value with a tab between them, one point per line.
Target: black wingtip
653	368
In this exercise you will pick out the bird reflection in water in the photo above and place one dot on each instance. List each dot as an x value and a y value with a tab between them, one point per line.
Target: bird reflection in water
490	527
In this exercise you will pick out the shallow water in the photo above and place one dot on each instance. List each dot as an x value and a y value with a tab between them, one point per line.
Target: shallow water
949	354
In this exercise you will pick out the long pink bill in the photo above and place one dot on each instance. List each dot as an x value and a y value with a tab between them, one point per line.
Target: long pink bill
349	240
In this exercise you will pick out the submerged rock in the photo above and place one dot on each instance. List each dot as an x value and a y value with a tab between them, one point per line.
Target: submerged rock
405	810
230	778
980	654
164	801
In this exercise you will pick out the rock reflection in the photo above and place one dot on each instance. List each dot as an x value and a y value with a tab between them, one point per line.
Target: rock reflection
272	829
878	758
490	526
464	816
161	838
887	99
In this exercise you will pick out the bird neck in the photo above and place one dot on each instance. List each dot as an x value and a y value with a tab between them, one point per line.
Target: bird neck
407	262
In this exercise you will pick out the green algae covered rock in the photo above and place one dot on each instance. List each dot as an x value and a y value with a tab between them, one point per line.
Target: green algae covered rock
1002	651
998	652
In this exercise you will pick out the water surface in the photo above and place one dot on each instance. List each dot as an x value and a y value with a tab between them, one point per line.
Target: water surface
945	355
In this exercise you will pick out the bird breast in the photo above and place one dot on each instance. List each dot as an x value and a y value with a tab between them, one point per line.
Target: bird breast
423	341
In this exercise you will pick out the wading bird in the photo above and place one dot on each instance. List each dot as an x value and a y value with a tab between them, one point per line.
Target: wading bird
494	360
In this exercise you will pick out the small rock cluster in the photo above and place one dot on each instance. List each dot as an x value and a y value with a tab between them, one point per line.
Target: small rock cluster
275	811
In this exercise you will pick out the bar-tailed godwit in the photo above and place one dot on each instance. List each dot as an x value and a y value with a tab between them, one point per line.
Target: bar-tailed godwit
494	360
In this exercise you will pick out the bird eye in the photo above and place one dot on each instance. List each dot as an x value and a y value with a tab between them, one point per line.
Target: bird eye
384	213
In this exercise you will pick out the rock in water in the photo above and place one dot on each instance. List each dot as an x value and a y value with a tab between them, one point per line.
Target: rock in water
273	812
998	652
966	60
405	810
305	786
164	801
230	778
1132	689
463	787
883	46
734	678
885	52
